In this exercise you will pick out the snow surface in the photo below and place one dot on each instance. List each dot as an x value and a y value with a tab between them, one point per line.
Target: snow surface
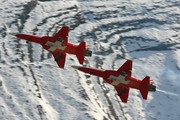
32	87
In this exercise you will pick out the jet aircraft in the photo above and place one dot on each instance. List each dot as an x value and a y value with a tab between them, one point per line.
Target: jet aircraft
58	45
122	80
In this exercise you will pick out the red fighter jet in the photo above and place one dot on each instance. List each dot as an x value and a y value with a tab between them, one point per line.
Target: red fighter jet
58	45
122	80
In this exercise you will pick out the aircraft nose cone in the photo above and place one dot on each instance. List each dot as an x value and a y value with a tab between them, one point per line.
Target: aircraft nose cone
14	34
75	67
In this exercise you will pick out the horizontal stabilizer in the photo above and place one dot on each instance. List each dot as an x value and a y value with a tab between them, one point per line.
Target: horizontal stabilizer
144	87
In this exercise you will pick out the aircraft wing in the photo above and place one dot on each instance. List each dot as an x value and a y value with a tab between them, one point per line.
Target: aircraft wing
59	58
61	35
123	93
126	67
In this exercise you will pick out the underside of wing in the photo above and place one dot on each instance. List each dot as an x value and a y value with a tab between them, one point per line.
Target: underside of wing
59	58
123	93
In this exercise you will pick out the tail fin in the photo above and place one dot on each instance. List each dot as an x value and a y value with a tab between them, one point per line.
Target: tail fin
144	87
80	52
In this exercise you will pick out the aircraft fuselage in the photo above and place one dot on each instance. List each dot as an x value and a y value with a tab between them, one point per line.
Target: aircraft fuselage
48	45
122	80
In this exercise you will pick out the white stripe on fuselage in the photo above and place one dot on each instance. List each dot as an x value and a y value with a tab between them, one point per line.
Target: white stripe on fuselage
117	80
54	46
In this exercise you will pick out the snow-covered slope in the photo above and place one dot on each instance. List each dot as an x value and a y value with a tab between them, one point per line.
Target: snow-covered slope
148	32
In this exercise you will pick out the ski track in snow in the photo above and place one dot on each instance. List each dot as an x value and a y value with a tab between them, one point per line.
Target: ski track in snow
33	87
